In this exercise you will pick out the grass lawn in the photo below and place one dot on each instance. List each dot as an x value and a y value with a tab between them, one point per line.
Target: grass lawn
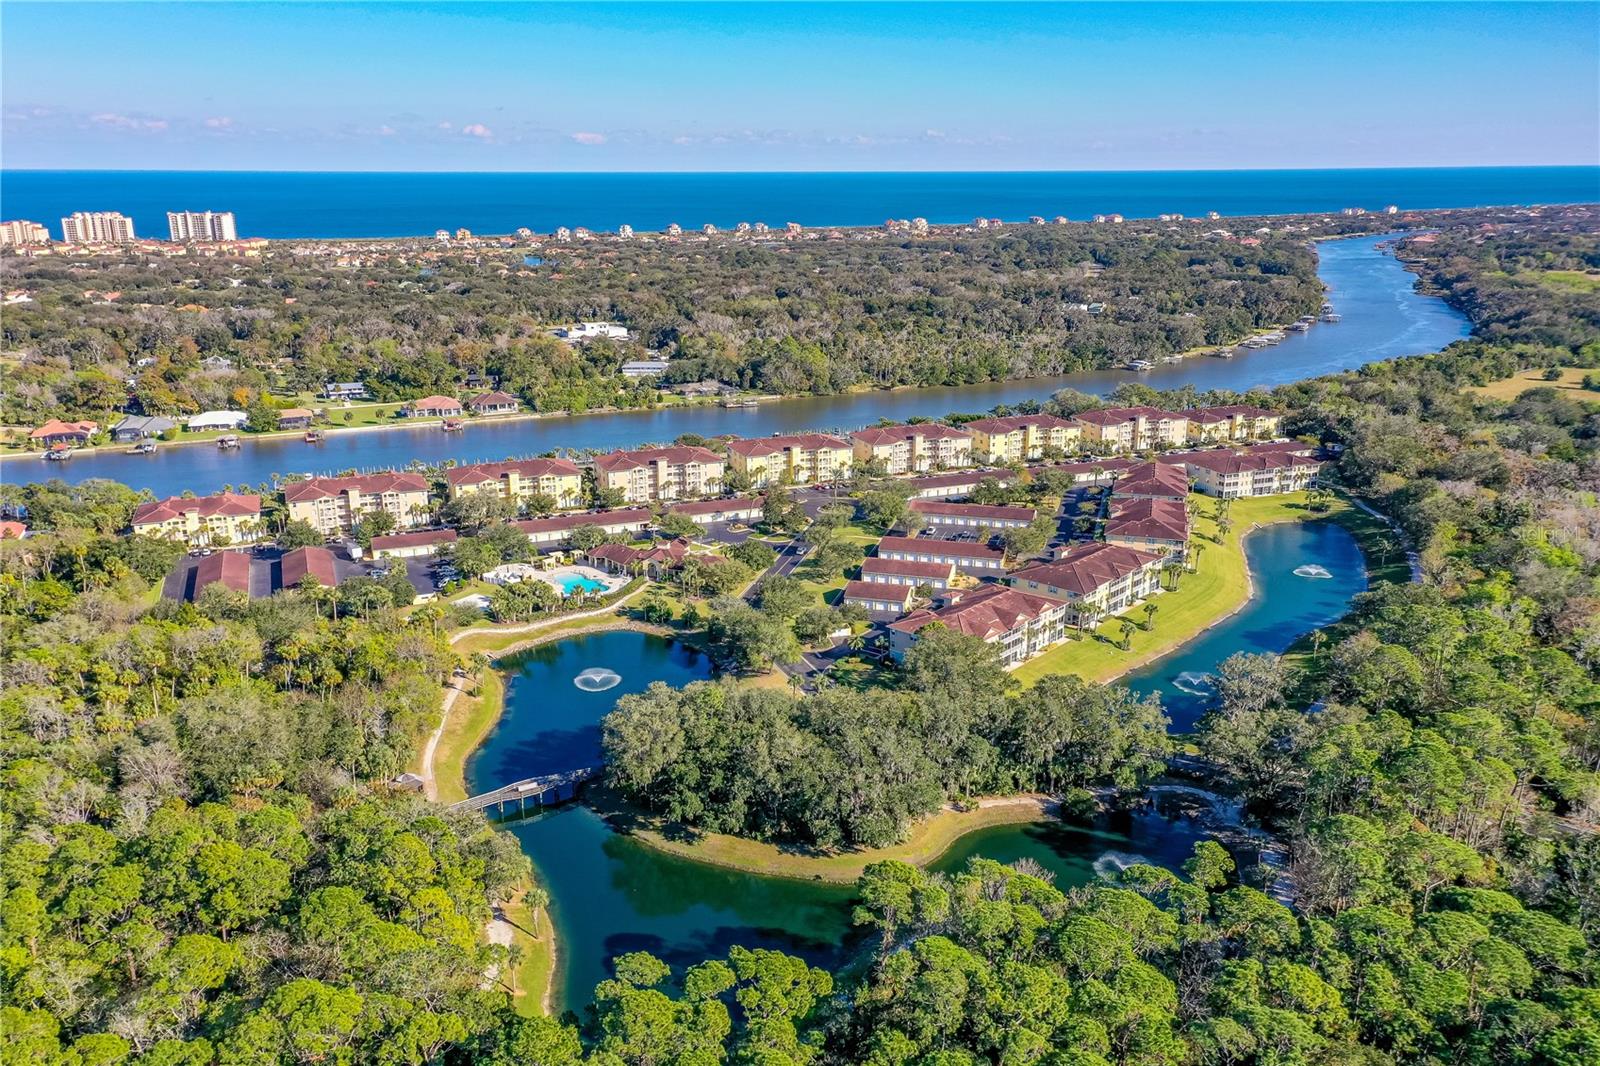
1220	586
929	838
1576	280
471	719
1512	387
531	979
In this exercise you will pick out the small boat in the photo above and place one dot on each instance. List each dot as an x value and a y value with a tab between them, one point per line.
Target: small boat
1223	353
59	453
1329	316
313	436
227	443
1299	327
1170	359
144	447
453	425
1139	364
739	403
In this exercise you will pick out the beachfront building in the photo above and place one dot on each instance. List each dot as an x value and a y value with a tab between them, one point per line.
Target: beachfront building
549	532
295	418
1020	624
913	449
201	521
20	232
650	475
965	556
973	515
722	509
202	226
1154	481
415	545
520	481
939	574
1134	429
879	597
1150	525
1253	472
795	458
1233	422
493	403
434	407
56	431
97	227
1022	438
1094	580
335	504
131	429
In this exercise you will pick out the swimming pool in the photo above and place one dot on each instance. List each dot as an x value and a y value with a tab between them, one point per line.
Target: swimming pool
574	583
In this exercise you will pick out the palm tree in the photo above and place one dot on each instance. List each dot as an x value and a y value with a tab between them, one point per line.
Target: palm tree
1127	628
1173	569
1150	610
1194	556
1317	637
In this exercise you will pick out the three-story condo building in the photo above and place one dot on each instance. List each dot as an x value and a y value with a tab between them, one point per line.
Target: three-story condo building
334	504
201	521
652	475
800	458
1093	579
1022	438
520	481
914	449
1126	429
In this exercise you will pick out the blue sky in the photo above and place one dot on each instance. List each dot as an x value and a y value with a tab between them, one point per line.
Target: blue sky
781	87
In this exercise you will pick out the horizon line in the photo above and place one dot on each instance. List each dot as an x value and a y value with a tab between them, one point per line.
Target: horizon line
694	173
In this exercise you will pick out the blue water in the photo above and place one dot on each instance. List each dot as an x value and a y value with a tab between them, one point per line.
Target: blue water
1283	607
570	583
1383	317
301	204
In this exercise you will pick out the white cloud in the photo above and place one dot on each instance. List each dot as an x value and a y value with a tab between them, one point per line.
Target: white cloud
128	122
220	122
385	131
479	130
583	137
446	126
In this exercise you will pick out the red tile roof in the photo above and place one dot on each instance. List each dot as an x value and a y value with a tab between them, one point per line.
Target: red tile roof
226	503
1086	567
8	530
492	399
295	566
1230	410
971	477
412	540
477	473
57	428
318	488
951	549
881	435
1012	423
1112	416
231	569
436	403
877	590
771	445
906	568
641	457
978	513
985	613
1148	519
1230	462
1152	479
559	523
726	503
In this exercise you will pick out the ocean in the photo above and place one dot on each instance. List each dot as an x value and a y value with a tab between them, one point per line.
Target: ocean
283	204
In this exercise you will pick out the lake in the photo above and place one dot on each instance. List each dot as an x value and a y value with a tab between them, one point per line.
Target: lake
1383	317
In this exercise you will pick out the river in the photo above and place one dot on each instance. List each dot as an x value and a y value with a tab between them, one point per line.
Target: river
611	894
1383	317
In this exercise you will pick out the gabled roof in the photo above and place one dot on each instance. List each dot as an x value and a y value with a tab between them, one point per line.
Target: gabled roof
1149	519
57	428
758	446
1087	567
316	563
1153	479
318	488
492	399
231	569
985	613
1223	412
1012	423
878	590
717	506
641	457
877	436
621	517
1231	462
478	473
978	513
1112	416
906	568
948	549
412	540
436	403
295	412
222	504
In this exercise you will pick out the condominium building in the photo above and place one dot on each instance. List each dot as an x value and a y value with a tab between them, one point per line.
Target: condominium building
799	458
201	226
1256	472
972	515
97	227
1020	624
1124	429
1094	579
964	555
518	482
1148	524
1156	481
1233	422
914	449
881	571
21	232
649	475
334	504
546	532
201	521
1021	438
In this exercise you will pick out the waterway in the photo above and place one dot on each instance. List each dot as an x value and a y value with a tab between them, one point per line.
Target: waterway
1383	317
611	894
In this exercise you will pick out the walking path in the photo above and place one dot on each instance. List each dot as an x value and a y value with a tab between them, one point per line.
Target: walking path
430	785
1413	560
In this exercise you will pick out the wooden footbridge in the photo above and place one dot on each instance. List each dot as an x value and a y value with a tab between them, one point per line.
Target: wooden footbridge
546	791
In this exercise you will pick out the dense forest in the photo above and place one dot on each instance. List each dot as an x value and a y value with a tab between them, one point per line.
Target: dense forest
203	862
786	317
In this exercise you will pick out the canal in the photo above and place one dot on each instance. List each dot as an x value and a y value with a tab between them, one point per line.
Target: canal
1382	317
